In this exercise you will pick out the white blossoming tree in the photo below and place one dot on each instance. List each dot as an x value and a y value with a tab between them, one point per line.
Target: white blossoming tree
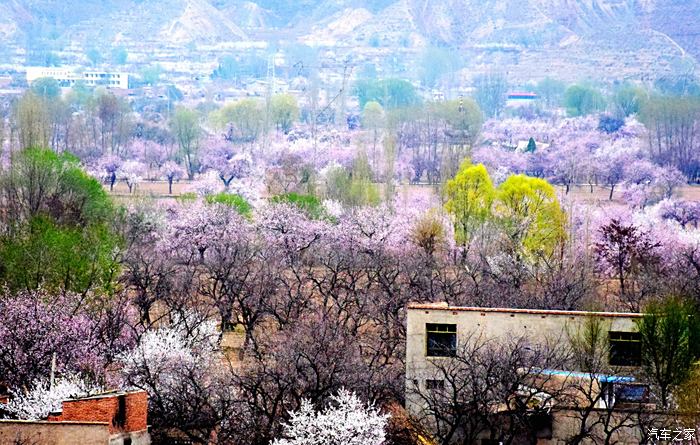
346	421
190	388
42	400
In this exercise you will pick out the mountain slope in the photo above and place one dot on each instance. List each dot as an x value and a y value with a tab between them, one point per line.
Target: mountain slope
570	38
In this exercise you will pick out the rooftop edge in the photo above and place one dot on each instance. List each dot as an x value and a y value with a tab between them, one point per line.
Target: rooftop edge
443	306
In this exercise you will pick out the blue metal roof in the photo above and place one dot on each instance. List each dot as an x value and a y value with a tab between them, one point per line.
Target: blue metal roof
585	375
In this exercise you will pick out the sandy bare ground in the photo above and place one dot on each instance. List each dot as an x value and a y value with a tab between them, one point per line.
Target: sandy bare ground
159	189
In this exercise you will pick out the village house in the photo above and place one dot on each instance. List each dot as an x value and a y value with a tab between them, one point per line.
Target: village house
436	331
110	418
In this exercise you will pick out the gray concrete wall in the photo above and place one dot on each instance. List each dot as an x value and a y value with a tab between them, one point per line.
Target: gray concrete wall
137	438
26	432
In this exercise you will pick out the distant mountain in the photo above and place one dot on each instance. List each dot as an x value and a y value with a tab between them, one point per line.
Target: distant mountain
526	38
112	21
531	38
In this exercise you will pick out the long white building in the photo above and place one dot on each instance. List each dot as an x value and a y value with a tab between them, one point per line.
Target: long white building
67	77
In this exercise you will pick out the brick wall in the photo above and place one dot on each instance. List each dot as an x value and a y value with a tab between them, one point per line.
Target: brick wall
131	416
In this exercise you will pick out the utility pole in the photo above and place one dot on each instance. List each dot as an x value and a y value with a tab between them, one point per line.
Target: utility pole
268	99
346	72
53	371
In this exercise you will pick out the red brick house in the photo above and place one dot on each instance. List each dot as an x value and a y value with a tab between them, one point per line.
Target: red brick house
111	418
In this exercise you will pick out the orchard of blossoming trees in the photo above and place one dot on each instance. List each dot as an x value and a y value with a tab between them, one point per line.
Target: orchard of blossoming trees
307	244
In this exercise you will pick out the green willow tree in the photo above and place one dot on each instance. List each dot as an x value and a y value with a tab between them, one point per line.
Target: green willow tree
470	196
187	131
32	119
581	100
57	229
284	111
525	210
530	214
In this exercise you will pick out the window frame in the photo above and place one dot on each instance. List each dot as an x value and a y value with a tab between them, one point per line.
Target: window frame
621	338
440	329
434	384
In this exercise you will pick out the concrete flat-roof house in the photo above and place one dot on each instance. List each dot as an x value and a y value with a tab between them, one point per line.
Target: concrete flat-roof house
67	77
435	332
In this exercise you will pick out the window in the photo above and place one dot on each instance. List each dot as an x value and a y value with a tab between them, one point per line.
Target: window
442	339
625	348
632	393
613	393
434	384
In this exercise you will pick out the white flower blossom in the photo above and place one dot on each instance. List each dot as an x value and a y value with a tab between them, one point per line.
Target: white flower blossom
346	421
42	400
333	208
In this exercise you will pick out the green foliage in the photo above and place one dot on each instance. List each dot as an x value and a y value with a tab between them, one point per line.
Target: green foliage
284	110
187	197
355	187
234	68
238	202
309	204
530	213
670	334
187	131
389	93
150	75
550	91
58	234
79	94
94	56
228	68
491	92
245	118
46	87
32	118
50	58
683	85
531	146
470	195
463	115
54	257
581	100
119	55
525	209
42	182
372	115
628	100
362	190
